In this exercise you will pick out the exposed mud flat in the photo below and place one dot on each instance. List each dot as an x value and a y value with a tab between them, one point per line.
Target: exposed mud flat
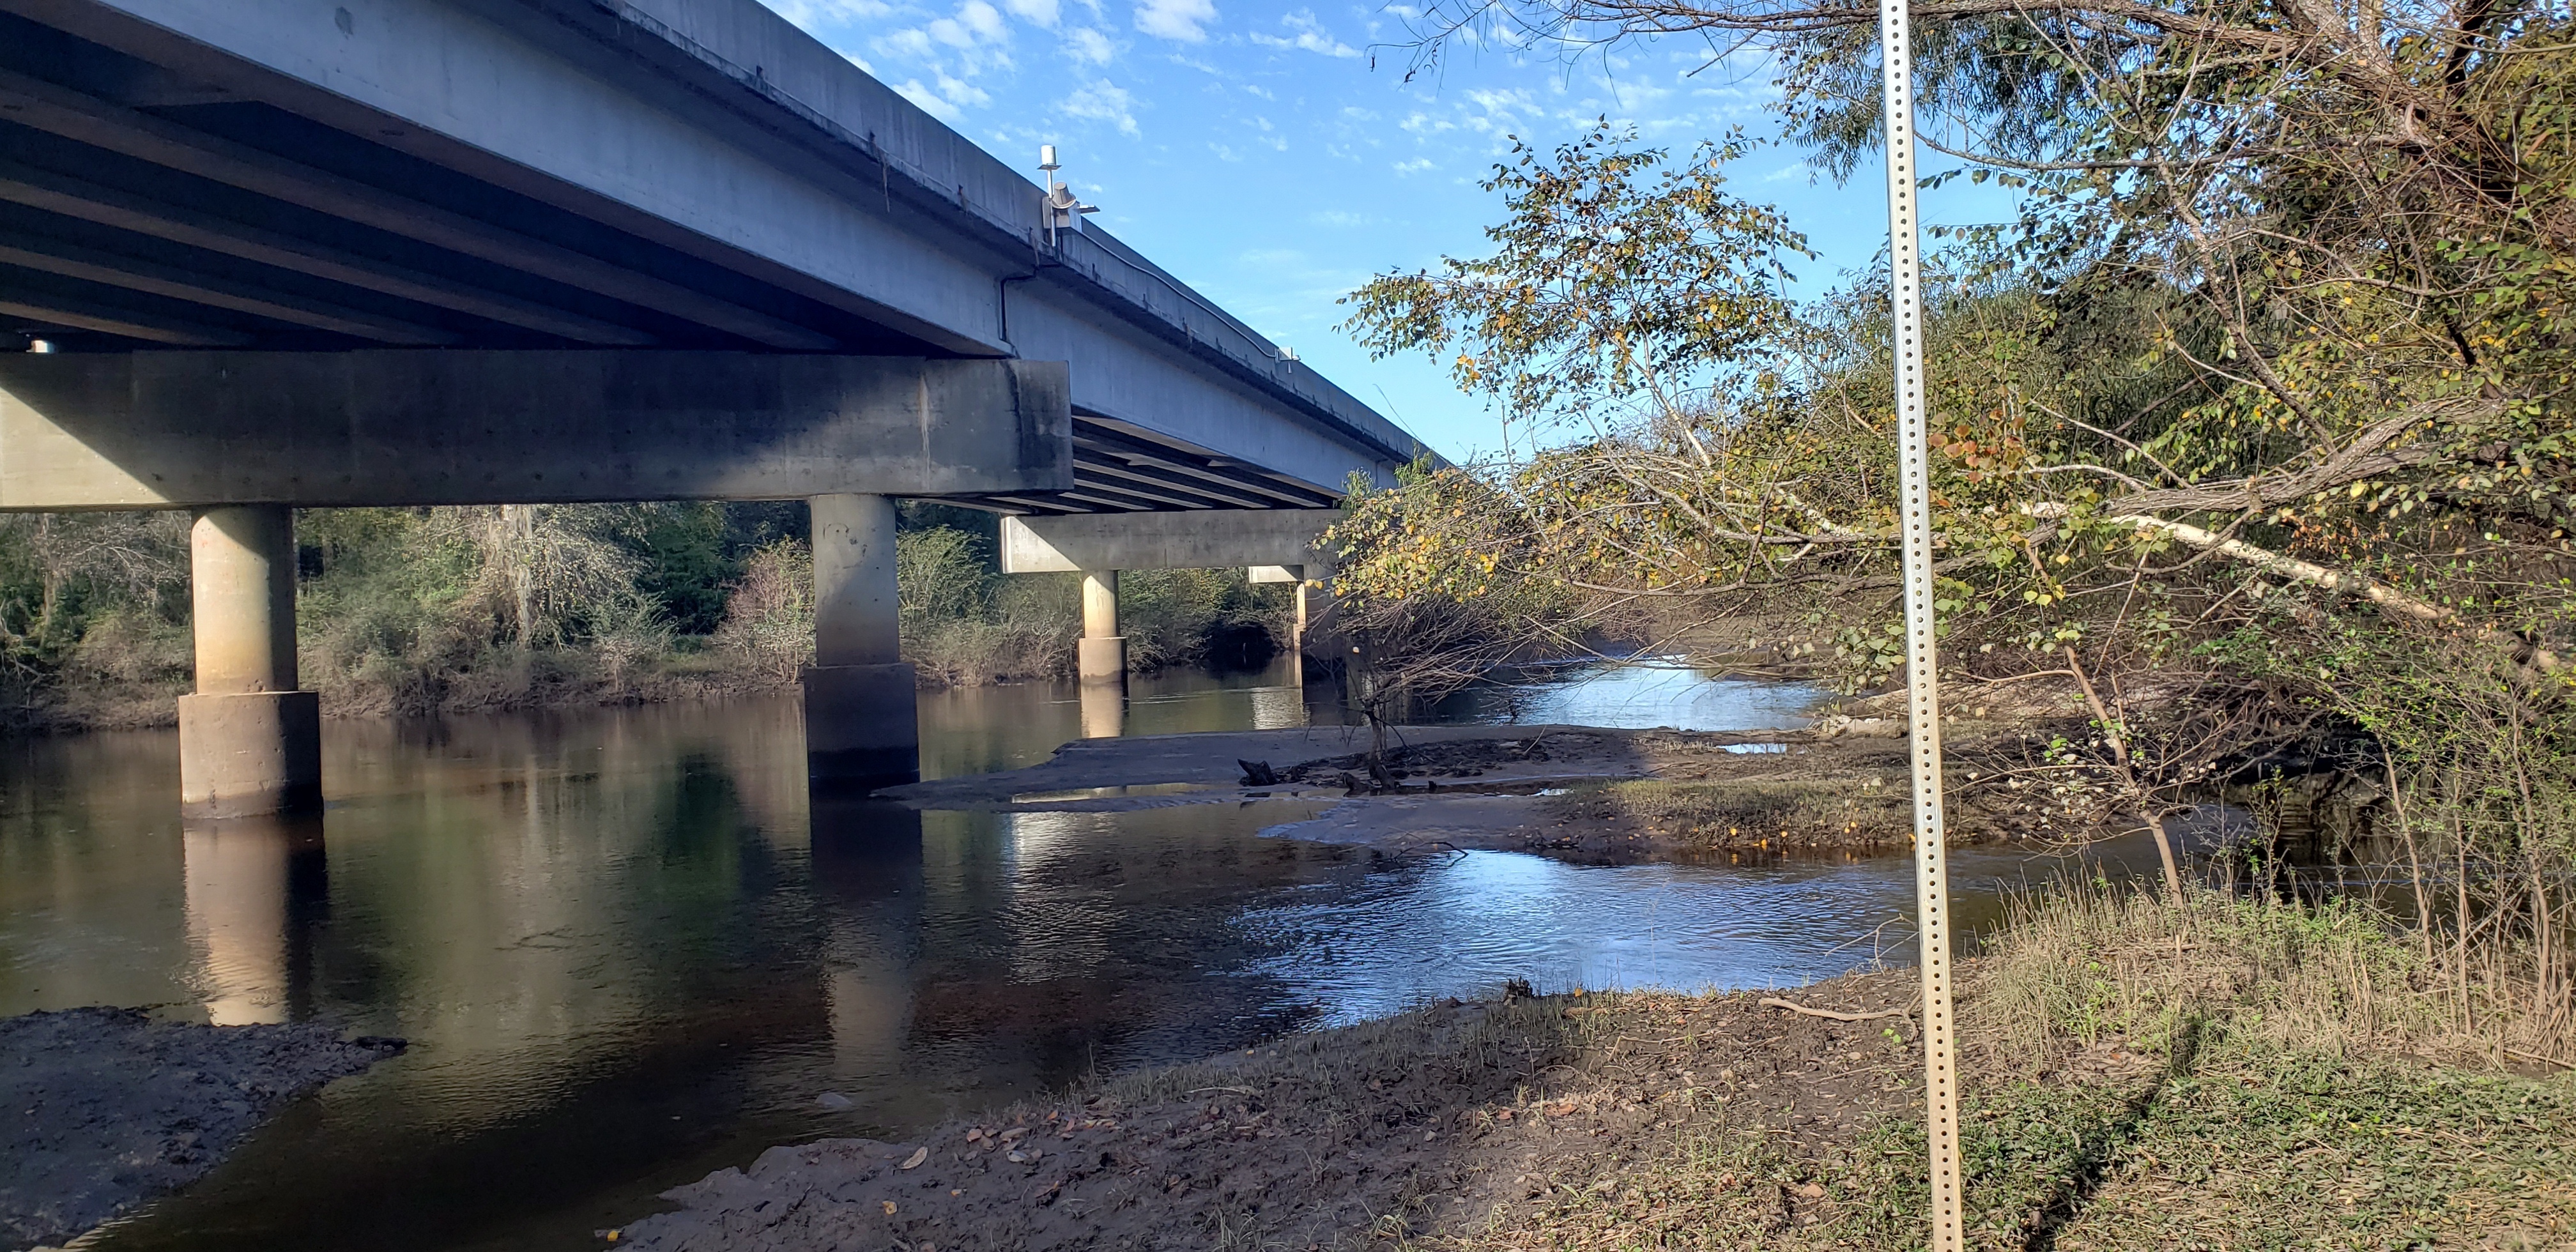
107	1107
1430	1123
1581	793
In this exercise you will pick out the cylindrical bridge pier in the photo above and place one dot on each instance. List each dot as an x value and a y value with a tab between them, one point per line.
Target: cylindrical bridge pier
861	728
250	742
1102	655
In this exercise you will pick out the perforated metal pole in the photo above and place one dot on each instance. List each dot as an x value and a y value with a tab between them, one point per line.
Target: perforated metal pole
1932	884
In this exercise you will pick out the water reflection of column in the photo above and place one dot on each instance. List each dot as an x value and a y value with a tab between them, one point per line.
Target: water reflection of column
256	889
1278	708
1104	710
867	865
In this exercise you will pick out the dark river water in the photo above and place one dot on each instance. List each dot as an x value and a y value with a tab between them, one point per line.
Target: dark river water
626	951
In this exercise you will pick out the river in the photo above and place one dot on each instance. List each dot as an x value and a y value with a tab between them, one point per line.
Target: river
626	951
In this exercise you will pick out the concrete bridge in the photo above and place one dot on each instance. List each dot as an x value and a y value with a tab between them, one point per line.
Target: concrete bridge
277	253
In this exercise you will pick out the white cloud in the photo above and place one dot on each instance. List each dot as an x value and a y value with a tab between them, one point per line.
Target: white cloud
1791	170
962	93
930	101
1184	20
976	23
1102	101
1306	33
855	59
911	42
1414	166
1089	47
1340	217
811	13
1042	12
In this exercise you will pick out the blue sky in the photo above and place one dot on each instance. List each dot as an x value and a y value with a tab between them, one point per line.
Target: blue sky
1275	156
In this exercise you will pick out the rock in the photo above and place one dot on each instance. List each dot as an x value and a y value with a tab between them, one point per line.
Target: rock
834	1101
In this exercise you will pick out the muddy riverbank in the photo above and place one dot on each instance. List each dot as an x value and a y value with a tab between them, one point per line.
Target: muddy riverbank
1757	1119
107	1108
1422	1124
1582	793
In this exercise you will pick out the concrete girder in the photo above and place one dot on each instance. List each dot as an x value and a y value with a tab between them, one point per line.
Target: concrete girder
1170	488
110	270
108	206
380	427
1126	442
61	310
546	100
1204	539
58	111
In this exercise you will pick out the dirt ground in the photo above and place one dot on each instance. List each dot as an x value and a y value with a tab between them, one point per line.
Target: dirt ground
1460	1121
107	1108
1613	1123
1449	1115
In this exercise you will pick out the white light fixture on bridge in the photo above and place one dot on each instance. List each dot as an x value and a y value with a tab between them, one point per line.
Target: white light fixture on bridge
1063	211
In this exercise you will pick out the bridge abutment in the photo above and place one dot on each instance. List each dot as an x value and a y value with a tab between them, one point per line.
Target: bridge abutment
1102	655
861	726
250	742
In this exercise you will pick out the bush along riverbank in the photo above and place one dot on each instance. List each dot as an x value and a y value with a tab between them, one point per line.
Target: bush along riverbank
2139	1074
412	611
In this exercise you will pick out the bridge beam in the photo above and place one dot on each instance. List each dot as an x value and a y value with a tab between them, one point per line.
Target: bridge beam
1197	539
393	427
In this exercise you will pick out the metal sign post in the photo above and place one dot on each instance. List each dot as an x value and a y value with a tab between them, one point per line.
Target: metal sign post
1932	886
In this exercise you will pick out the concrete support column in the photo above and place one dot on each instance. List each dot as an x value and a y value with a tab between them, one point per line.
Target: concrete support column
249	742
1297	640
861	728
1103	656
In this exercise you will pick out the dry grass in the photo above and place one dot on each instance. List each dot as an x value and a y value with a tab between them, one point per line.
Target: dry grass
2080	965
2225	1075
1746	814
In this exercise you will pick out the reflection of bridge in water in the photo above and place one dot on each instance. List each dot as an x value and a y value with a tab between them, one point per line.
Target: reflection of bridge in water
420	252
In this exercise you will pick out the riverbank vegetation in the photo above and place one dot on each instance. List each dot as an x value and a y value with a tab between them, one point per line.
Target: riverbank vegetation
411	611
2251	423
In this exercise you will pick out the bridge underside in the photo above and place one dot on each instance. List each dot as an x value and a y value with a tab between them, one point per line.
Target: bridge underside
154	204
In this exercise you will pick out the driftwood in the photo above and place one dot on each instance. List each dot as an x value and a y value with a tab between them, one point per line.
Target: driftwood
1775	1003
